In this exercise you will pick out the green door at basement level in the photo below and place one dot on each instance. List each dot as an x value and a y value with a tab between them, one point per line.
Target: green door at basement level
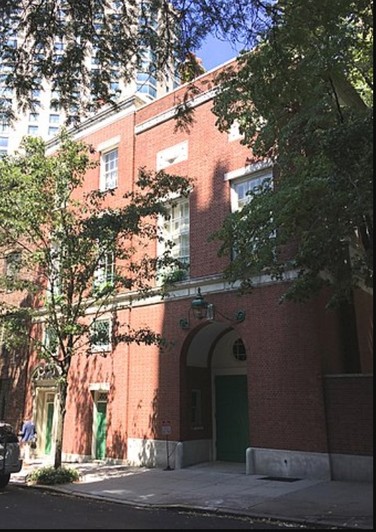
100	446
231	417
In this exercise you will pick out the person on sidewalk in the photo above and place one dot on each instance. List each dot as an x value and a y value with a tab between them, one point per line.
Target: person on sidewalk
28	439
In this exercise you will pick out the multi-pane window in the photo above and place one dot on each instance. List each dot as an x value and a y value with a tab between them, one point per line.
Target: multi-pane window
51	340
54	118
4	142
53	131
4	127
243	187
100	335
12	264
176	230
3	146
104	274
146	77
33	117
32	130
54	277
109	170
241	190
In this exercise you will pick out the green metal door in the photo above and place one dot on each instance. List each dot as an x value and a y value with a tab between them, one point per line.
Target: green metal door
49	425
231	402
100	441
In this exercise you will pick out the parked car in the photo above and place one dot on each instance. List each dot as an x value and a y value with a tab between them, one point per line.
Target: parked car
10	461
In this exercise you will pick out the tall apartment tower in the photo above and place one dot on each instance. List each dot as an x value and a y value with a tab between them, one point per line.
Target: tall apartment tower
46	118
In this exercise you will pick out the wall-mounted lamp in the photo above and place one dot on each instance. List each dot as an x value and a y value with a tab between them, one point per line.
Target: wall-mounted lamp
203	310
199	306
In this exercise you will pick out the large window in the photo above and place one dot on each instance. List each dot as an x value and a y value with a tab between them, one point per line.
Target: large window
32	130
104	274
176	230
242	187
100	335
109	170
244	182
51	340
13	264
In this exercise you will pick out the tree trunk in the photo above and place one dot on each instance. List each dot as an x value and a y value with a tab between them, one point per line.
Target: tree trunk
62	391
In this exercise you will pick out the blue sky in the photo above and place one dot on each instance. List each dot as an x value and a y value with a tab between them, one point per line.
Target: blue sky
215	52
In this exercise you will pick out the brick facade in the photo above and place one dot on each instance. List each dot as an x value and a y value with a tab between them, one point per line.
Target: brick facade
290	348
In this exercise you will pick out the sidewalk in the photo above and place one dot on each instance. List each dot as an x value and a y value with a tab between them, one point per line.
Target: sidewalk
222	487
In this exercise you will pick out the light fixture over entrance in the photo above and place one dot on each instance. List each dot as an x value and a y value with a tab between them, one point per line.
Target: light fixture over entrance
201	309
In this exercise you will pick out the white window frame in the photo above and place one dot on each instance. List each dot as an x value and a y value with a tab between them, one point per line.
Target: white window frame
105	149
13	264
47	339
55	272
105	271
109	171
249	177
181	230
100	348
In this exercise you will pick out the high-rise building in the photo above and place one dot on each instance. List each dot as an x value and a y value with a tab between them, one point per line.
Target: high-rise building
46	116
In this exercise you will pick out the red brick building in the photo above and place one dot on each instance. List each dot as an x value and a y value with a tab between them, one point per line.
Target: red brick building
256	381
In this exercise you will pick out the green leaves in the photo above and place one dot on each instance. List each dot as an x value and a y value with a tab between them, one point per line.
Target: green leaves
74	252
302	98
56	40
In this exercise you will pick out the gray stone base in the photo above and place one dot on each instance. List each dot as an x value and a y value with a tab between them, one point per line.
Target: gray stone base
281	463
352	467
151	453
193	452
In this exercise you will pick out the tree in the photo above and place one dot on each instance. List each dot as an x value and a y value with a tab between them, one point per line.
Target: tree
117	32
303	100
71	253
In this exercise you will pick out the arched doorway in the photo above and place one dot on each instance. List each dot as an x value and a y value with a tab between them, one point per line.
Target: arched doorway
214	406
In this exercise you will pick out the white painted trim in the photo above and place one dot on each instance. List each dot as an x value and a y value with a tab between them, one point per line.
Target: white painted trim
99	386
109	144
245	171
171	113
172	155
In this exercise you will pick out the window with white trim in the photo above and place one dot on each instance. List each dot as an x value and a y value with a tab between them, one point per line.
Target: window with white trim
109	169
50	340
247	180
242	186
54	274
100	335
105	271
12	264
176	231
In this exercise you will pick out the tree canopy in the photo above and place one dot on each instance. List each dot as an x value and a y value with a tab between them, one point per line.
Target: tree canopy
57	39
301	93
68	254
303	100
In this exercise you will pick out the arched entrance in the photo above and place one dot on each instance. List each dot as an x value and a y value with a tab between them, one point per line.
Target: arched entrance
214	409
